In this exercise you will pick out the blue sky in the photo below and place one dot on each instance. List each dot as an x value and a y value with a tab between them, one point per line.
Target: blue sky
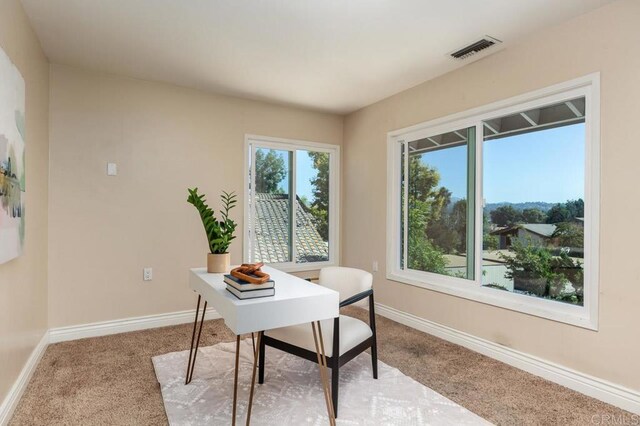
304	174
544	166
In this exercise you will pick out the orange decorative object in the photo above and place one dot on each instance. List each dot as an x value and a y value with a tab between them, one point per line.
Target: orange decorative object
250	272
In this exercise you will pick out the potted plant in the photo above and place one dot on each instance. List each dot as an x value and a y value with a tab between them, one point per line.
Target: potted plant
219	232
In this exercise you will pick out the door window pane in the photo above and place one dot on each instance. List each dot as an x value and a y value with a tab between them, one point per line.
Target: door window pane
272	239
440	204
312	206
533	186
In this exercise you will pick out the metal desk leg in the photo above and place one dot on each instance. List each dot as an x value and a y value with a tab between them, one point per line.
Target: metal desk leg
192	362
235	381
322	365
256	351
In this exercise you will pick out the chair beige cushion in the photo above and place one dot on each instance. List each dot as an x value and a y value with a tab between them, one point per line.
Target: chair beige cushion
346	281
352	332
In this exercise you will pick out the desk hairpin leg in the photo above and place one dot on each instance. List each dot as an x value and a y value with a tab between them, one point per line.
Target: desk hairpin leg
324	375
256	351
192	362
235	381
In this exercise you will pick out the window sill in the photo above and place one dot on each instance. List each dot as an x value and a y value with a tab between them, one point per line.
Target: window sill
579	316
301	267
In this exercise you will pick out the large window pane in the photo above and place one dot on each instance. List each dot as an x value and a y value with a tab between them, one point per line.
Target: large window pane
533	186
272	225
440	204
312	206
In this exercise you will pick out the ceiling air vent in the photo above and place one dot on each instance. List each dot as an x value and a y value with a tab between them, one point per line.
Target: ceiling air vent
478	46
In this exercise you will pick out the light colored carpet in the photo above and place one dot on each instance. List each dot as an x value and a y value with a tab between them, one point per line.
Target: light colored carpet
292	394
110	380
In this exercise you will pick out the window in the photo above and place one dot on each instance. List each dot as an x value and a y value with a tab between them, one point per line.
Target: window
500	204
291	203
533	181
439	194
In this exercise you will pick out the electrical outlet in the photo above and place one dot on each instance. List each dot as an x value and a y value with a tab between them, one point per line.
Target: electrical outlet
374	267
112	169
147	274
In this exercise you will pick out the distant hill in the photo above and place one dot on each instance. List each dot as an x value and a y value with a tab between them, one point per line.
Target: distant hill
541	205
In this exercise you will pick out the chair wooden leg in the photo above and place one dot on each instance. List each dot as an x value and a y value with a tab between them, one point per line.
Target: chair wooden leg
374	344
261	360
374	359
335	376
335	366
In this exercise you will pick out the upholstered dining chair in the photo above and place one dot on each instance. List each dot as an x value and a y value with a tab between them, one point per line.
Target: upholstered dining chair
346	336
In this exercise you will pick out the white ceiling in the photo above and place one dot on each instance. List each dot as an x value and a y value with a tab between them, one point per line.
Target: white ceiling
333	55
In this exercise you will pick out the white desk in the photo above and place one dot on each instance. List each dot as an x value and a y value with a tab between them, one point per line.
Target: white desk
296	301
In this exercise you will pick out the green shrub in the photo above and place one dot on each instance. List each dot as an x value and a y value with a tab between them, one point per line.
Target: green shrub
532	261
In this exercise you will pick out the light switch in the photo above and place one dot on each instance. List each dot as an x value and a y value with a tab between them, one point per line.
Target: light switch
374	267
112	169
147	274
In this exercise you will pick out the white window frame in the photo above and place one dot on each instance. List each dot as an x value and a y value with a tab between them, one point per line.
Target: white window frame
255	141
583	316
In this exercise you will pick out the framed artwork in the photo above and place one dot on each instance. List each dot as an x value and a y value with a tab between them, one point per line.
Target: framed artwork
12	165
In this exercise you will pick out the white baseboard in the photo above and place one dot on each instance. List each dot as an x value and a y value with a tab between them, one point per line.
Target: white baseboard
15	393
603	390
625	398
74	332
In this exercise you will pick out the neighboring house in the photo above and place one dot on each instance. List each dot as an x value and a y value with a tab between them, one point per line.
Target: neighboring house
272	231
537	233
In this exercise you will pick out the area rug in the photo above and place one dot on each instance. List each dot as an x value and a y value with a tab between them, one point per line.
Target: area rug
292	393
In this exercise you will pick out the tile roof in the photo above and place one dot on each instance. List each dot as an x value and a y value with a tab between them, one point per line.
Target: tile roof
272	231
542	229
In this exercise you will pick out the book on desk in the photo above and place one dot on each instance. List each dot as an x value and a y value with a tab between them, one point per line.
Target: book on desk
246	290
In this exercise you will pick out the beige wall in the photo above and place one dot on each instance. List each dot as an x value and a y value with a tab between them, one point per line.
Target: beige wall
104	230
605	40
23	281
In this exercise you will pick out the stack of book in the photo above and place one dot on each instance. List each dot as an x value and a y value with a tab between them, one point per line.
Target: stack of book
246	290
